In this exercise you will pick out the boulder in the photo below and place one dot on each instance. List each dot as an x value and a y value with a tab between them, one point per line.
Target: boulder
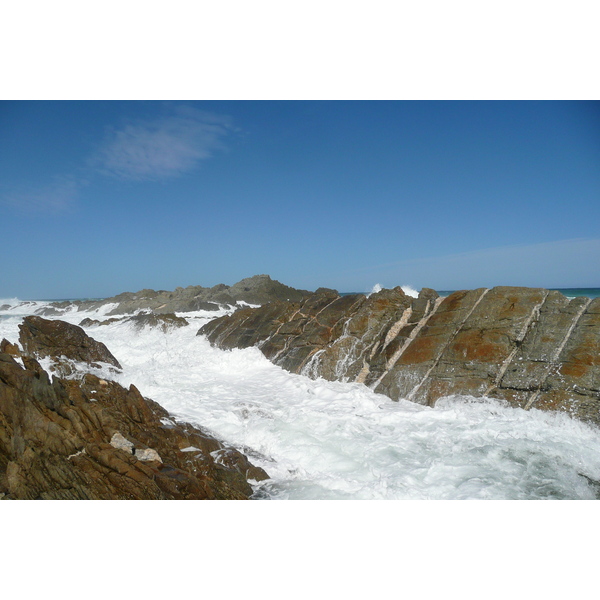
57	339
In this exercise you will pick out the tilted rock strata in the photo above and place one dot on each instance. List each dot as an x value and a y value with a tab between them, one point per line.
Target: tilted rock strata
529	346
94	439
252	290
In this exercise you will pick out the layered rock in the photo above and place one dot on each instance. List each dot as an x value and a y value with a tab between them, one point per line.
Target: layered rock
529	346
88	438
252	290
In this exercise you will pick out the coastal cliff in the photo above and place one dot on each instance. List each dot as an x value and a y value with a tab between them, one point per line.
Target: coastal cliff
531	347
81	437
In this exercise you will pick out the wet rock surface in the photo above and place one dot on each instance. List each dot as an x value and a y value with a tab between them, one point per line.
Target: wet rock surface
528	346
88	438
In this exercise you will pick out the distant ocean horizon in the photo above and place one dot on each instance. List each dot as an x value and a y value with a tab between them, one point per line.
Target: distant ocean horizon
588	292
568	292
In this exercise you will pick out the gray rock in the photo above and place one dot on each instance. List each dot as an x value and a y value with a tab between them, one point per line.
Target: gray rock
259	289
147	454
120	442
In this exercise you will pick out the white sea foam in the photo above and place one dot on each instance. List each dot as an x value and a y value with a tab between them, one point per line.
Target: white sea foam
9	301
14	306
321	439
407	289
410	291
375	289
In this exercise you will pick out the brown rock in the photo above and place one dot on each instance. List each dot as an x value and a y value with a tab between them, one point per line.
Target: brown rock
43	337
55	443
529	346
8	348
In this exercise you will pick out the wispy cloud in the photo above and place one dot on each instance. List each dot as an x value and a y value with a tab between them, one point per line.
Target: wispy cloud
58	196
162	148
140	150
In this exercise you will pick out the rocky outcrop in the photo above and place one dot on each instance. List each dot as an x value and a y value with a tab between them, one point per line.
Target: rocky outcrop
165	322
529	346
93	439
63	342
87	322
253	290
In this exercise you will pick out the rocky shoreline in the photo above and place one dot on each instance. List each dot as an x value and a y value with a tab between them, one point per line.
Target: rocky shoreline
76	436
530	347
68	434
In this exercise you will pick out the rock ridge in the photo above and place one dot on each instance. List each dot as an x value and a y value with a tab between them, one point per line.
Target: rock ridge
530	347
258	289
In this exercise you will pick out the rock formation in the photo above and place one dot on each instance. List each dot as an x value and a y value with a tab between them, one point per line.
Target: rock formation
59	340
88	438
252	290
528	346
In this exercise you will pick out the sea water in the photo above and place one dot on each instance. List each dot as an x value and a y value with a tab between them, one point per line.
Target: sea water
330	440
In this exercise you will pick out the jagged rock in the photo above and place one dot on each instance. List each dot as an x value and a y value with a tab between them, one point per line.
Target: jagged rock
67	439
8	348
56	339
528	346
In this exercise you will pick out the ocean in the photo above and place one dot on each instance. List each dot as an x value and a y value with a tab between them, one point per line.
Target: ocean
331	440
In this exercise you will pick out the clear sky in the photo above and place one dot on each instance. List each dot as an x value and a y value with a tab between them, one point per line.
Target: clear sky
101	197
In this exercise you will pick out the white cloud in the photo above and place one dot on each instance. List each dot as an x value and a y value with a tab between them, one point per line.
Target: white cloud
58	196
163	148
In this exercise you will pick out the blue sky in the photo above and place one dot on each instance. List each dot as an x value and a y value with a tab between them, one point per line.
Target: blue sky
101	197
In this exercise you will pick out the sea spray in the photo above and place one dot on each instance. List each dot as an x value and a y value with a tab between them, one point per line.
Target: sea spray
407	289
